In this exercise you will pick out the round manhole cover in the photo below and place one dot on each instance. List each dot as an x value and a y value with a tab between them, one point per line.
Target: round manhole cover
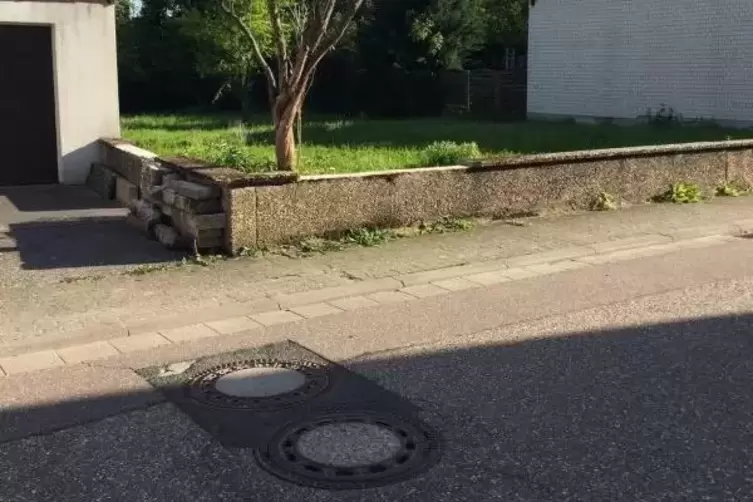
351	451
258	385
260	382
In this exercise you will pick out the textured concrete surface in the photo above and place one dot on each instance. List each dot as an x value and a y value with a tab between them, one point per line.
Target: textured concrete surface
740	165
55	233
621	382
322	205
240	204
55	307
309	208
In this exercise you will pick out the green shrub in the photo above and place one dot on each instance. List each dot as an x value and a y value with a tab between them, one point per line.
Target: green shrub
681	193
230	153
447	153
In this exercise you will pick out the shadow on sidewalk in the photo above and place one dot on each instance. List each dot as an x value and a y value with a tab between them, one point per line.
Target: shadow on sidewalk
60	226
653	412
50	198
83	242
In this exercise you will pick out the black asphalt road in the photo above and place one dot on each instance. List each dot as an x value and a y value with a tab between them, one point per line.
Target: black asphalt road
641	400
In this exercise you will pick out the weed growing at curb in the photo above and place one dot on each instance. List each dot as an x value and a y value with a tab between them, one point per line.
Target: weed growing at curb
81	278
368	237
730	189
148	269
204	260
447	224
362	237
681	193
371	237
604	202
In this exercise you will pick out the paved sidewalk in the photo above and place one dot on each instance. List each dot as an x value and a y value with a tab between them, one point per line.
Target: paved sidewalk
314	304
622	380
38	312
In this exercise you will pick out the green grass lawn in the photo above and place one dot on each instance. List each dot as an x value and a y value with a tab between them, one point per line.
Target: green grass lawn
341	146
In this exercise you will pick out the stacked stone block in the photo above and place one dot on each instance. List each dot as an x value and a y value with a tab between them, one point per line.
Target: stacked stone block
180	214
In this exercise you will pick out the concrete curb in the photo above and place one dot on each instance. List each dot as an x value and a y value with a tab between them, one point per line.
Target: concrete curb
369	294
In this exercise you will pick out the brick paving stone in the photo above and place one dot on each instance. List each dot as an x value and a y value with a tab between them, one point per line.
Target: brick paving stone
33	361
87	352
188	333
353	303
488	278
316	310
389	297
456	284
424	290
233	325
139	342
276	317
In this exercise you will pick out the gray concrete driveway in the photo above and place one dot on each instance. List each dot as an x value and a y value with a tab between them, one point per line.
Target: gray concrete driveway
626	382
49	232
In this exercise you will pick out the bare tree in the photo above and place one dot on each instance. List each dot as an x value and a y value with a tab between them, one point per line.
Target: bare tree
303	32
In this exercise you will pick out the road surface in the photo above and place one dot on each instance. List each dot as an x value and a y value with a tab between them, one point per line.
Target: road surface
625	381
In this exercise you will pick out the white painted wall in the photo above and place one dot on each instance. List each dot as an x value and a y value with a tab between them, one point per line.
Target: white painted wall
86	76
617	58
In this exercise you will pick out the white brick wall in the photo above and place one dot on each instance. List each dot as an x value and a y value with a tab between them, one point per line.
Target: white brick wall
617	58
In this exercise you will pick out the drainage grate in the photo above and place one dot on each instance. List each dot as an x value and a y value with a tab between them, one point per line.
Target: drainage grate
206	387
399	449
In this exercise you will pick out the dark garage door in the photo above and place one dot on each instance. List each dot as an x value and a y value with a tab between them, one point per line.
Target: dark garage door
28	138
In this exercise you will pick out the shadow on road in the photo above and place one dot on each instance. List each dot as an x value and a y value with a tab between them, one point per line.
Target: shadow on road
646	413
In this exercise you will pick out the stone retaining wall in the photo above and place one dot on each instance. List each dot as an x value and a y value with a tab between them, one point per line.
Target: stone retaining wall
165	202
276	208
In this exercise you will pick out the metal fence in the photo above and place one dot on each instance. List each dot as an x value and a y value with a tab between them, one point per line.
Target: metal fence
487	93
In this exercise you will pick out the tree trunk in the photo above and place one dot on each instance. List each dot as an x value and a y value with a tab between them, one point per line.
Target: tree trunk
285	143
285	112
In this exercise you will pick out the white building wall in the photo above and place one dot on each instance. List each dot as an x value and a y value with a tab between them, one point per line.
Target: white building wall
618	58
86	78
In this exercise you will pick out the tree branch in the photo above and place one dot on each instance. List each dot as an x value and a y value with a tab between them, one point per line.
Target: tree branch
323	23
316	29
337	35
275	18
227	7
